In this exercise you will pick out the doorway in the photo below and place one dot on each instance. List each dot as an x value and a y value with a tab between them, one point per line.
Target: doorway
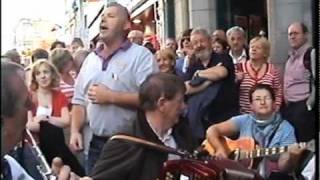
251	15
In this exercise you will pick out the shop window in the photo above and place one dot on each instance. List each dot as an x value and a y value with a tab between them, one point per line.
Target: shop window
251	15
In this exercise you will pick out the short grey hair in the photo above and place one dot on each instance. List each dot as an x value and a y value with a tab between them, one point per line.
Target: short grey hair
202	31
234	29
121	7
159	85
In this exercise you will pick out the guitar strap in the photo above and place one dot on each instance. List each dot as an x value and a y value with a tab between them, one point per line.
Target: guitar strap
150	144
273	133
262	169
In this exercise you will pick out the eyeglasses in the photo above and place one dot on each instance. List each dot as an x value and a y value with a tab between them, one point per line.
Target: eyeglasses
262	99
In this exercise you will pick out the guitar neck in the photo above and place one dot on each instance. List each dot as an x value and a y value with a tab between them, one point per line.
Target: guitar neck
263	152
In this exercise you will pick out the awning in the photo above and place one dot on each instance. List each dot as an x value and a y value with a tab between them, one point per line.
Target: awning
142	7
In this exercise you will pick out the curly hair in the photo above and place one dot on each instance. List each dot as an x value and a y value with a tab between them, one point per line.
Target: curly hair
55	80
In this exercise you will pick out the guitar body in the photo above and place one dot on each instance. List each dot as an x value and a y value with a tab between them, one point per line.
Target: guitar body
247	153
233	148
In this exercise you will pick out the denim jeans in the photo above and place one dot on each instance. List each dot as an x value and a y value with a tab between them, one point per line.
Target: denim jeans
96	146
83	160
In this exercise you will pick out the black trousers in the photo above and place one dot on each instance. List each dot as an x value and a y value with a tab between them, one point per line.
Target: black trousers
52	144
301	119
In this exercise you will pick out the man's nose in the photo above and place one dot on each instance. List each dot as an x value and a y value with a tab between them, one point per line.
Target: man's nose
262	101
196	44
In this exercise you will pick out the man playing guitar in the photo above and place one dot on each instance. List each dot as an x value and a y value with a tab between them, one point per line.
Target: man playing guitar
265	126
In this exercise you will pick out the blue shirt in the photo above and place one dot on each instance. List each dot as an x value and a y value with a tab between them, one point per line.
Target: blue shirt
124	71
283	137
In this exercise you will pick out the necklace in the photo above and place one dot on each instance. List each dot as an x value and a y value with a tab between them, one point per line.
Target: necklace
256	70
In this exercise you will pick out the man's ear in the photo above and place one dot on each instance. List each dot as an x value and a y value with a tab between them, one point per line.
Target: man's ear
160	103
127	26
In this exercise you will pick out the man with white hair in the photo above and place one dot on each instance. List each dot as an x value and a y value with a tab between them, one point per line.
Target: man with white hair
237	39
216	69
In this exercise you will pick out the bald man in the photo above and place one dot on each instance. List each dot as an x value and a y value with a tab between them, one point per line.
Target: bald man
136	36
299	87
108	83
218	34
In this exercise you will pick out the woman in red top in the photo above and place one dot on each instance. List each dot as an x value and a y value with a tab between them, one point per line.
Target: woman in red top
257	70
50	114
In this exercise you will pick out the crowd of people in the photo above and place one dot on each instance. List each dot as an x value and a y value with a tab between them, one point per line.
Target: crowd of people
199	87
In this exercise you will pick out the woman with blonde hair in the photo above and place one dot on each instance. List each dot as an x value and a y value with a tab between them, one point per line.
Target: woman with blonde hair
166	60
257	70
49	114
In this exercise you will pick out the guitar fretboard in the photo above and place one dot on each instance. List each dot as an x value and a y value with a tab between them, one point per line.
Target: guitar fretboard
262	152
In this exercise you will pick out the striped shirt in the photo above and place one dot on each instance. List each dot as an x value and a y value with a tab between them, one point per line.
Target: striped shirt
67	90
270	77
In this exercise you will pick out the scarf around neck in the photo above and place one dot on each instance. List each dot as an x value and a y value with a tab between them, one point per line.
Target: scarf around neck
262	129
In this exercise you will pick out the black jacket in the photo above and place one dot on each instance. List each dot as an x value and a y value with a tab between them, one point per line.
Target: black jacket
125	160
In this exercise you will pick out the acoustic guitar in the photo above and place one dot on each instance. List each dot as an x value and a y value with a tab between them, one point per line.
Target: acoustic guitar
246	151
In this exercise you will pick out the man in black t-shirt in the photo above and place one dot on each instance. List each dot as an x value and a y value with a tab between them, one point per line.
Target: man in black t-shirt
217	72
